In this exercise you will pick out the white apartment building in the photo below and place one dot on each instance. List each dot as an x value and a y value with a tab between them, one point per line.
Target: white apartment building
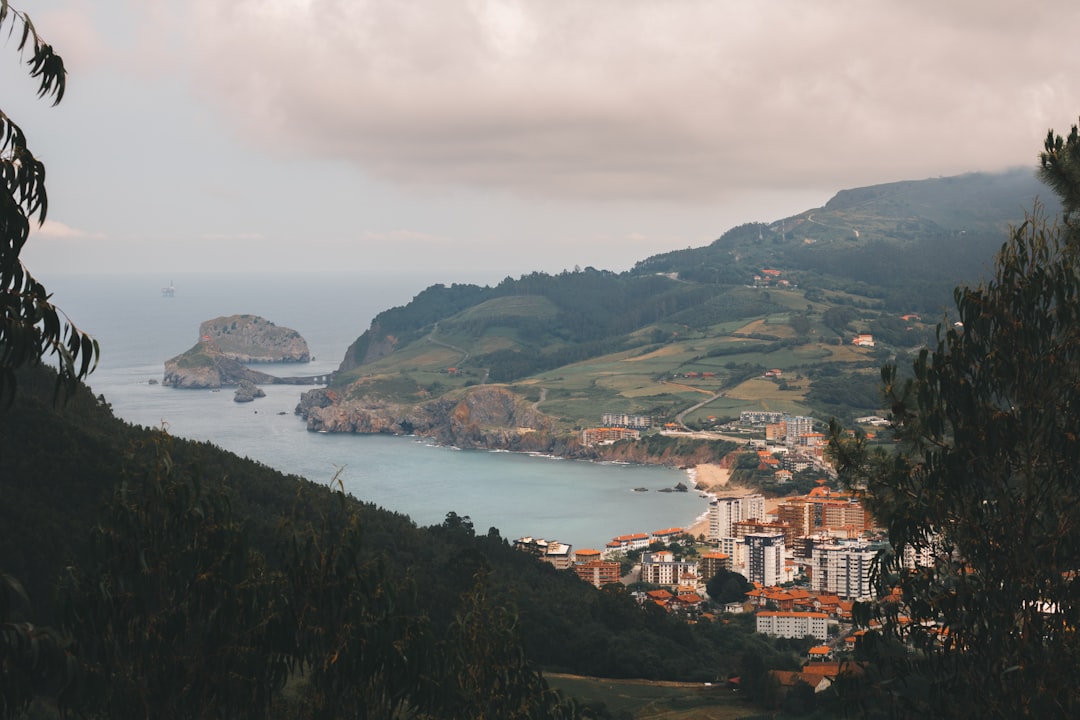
736	550
842	569
661	568
725	511
797	426
792	624
759	417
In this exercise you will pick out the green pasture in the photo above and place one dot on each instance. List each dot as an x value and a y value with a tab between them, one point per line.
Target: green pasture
644	700
517	306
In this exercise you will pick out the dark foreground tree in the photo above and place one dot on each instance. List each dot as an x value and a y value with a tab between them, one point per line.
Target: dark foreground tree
981	500
31	658
31	327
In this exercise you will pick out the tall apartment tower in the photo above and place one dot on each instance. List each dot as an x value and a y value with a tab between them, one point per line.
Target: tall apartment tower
842	569
796	426
765	558
725	511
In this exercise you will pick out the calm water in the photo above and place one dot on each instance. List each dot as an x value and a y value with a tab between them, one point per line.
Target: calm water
585	504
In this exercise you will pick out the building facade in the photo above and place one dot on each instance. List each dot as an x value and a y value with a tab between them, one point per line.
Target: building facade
765	558
842	569
662	568
792	624
725	511
598	572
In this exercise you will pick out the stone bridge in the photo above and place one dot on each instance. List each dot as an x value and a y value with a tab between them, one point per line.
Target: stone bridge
323	379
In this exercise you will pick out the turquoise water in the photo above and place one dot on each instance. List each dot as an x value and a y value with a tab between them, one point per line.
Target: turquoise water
585	504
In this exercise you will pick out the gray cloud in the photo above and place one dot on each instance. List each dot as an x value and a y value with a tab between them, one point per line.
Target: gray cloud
624	99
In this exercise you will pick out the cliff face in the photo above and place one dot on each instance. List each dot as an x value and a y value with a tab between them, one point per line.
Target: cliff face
250	338
486	417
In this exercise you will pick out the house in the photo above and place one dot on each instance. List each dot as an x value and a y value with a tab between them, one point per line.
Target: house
659	597
863	340
820	653
685	601
667	536
790	678
634	541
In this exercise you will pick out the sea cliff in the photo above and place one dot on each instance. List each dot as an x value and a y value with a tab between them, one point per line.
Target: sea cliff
489	417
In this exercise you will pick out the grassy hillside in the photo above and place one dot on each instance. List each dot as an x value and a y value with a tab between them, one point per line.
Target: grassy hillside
705	323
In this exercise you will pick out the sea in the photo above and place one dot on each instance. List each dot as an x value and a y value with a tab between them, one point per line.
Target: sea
584	504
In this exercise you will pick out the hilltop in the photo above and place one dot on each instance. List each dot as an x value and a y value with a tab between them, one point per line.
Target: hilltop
765	317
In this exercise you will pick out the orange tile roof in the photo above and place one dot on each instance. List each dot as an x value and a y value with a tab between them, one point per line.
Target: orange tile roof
777	613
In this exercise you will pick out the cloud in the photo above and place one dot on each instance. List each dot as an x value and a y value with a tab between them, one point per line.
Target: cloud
58	230
683	101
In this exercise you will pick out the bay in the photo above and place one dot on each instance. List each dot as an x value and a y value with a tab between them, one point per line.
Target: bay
582	503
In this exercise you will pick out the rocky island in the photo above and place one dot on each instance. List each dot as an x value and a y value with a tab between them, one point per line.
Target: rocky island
252	339
225	344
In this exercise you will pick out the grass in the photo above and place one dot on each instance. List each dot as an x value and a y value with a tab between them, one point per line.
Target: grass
536	306
646	379
646	700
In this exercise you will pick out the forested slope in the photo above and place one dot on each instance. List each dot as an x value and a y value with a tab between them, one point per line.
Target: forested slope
89	500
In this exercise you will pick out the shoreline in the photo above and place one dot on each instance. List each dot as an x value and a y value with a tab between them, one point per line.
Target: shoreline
712	480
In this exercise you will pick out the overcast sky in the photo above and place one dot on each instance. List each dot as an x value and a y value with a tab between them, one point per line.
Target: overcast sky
485	138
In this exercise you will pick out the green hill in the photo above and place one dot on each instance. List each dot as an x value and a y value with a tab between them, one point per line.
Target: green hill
692	324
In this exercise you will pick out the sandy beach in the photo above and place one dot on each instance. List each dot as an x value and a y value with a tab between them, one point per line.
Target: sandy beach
712	479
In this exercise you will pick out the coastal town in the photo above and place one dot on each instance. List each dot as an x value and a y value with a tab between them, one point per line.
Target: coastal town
804	559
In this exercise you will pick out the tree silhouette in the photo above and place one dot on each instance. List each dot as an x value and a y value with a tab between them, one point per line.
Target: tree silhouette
985	490
31	327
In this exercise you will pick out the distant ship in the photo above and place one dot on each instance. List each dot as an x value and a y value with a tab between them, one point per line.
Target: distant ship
169	291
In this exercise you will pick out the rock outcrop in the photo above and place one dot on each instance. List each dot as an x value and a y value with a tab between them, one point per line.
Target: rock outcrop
485	416
251	339
225	344
202	367
247	391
